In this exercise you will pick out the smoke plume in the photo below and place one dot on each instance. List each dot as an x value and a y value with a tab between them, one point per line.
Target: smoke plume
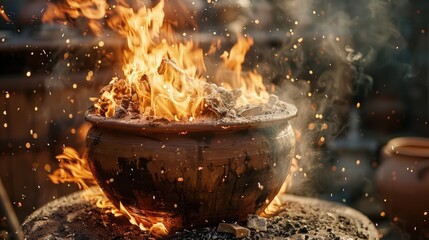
326	47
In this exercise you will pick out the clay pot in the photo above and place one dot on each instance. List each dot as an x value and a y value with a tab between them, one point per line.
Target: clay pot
403	181
194	173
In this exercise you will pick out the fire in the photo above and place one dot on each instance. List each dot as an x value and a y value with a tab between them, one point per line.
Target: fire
231	76
73	9
4	15
277	204
75	169
162	77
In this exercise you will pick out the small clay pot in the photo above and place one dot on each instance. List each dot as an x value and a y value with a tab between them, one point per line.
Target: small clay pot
194	173
403	181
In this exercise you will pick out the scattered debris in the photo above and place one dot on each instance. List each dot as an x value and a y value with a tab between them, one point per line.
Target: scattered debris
237	230
298	218
257	223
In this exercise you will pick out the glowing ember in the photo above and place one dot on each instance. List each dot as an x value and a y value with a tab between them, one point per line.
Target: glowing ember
4	15
74	169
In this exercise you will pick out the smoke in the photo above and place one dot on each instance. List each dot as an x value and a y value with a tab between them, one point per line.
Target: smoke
326	48
318	61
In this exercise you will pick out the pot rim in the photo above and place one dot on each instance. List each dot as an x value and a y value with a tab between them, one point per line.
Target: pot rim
221	125
410	146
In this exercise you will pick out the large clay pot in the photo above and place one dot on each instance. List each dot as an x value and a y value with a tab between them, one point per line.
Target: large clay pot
193	173
403	181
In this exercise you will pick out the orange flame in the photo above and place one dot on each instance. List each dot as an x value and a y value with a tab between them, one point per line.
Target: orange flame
278	203
93	10
250	83
162	91
75	169
4	15
162	75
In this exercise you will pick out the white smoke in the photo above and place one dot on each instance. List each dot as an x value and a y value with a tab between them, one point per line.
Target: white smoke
327	45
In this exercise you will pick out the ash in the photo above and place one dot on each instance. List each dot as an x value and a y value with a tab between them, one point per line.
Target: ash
298	220
73	217
219	103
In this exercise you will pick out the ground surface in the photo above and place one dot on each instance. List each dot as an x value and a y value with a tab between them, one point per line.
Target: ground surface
72	217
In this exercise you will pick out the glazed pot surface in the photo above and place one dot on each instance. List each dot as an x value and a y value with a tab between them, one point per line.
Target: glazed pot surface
192	178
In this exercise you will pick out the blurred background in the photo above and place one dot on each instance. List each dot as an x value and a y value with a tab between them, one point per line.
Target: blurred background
358	73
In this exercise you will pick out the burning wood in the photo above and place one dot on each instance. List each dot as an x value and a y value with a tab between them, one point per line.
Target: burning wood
162	78
165	63
218	101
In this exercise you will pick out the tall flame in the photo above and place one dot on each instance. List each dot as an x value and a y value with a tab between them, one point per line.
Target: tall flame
162	91
250	83
162	76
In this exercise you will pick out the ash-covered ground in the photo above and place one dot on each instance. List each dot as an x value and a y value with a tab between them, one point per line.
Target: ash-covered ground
73	217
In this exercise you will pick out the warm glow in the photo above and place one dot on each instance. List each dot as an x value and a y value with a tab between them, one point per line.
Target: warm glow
231	75
277	204
74	169
72	9
4	15
162	76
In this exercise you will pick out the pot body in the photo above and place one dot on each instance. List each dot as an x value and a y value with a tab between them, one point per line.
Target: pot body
403	181
190	179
